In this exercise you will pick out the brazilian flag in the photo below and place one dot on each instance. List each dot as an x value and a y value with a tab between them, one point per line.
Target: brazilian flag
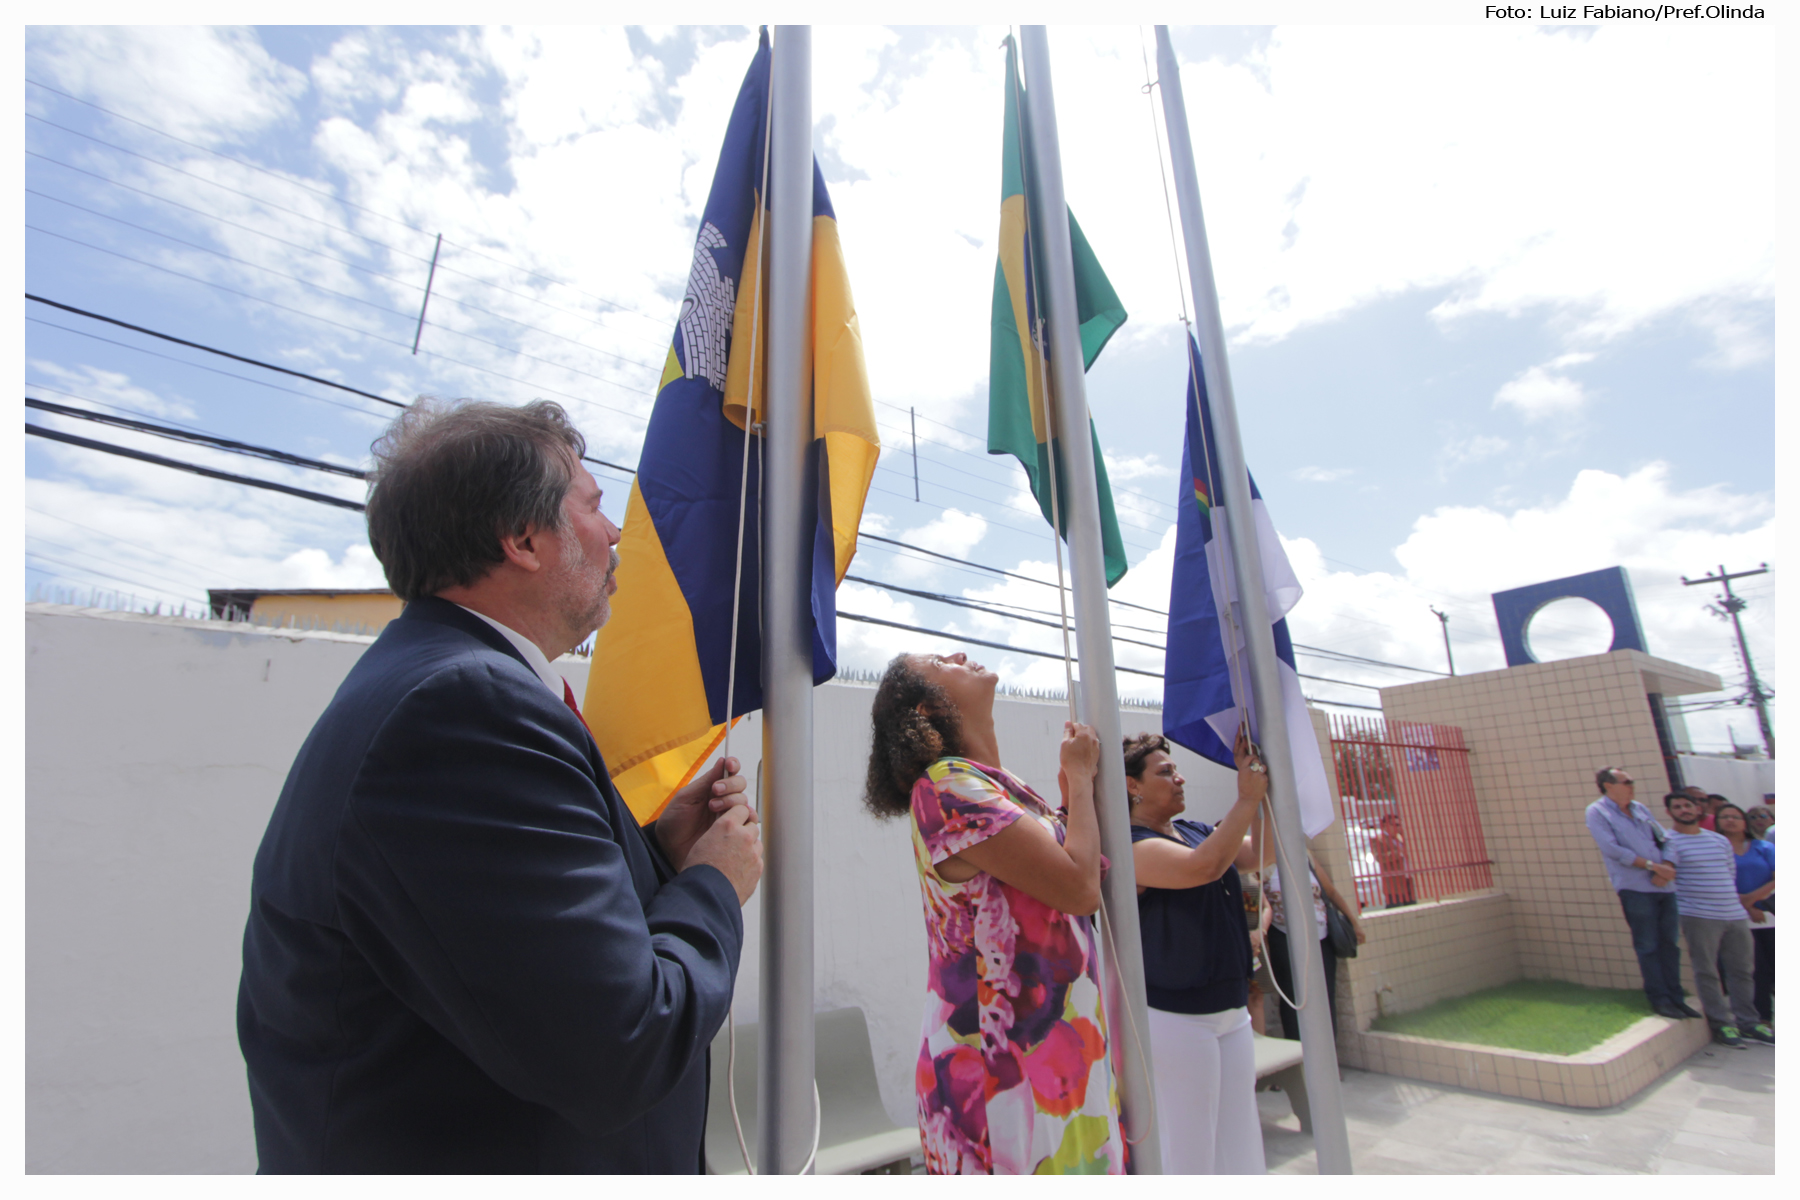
1017	366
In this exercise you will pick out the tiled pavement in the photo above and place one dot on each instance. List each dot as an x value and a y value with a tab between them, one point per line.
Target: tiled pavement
1713	1115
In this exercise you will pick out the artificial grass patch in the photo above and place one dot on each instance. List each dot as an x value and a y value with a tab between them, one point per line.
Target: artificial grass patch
1544	1016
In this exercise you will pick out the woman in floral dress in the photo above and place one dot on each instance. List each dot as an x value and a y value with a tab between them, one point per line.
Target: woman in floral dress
1014	1076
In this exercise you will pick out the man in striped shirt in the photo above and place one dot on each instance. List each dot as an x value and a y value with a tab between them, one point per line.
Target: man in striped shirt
1714	923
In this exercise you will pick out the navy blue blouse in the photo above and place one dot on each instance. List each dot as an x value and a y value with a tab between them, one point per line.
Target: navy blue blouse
1196	944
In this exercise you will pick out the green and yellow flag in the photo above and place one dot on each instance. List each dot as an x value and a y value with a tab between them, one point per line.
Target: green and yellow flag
1017	367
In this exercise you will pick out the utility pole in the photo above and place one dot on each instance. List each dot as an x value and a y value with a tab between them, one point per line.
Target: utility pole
1731	606
1444	620
915	435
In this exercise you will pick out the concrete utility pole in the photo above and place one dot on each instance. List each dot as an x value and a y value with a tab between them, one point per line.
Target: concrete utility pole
1444	620
1732	605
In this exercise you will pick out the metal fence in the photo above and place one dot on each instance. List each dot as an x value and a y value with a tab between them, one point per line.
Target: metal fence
1409	811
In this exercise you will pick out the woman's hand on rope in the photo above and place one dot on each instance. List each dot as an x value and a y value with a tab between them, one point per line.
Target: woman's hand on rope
1080	751
1253	773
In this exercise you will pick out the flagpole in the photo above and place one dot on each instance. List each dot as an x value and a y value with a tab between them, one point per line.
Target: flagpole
1318	1040
1127	1023
785	1097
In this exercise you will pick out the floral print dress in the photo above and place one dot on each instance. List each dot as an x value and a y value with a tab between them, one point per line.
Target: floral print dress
1013	1077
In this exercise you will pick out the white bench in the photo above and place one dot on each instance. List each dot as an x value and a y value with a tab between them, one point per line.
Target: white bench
1278	1065
855	1132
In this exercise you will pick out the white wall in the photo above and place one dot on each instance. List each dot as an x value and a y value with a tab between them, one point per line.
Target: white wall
1742	781
155	750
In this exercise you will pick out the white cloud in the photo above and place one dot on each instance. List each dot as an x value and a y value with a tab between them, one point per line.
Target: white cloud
1537	394
1122	467
107	388
1459	451
1456	557
209	84
1360	163
955	533
1321	474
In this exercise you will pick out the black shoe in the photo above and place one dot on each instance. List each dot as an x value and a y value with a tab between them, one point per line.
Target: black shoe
1670	1011
1727	1035
1758	1033
1688	1012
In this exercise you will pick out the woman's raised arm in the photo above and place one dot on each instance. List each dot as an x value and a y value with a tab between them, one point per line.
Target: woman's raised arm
1027	856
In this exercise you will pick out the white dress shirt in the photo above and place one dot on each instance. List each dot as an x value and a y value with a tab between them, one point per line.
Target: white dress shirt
534	658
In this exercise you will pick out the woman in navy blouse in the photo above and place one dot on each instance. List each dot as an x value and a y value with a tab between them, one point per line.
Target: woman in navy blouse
1197	960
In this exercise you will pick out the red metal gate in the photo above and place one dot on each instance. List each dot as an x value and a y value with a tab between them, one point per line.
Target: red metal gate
1409	811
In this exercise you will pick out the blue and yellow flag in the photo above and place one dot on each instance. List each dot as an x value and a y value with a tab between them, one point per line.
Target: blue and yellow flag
656	695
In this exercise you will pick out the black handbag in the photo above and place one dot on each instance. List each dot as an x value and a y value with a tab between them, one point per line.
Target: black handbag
1339	932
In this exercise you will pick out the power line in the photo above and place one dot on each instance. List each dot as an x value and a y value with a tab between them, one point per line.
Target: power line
335	198
990	457
169	337
442	268
102	574
628	471
312	464
974	641
328	195
191	468
198	439
940	598
126	542
200	367
371	336
454	332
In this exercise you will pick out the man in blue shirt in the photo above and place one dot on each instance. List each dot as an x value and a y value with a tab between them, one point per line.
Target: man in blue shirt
1631	843
1714	924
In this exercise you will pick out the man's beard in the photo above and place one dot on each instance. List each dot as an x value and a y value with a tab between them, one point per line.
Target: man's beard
582	588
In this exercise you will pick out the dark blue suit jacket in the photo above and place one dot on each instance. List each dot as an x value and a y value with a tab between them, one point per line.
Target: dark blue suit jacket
463	955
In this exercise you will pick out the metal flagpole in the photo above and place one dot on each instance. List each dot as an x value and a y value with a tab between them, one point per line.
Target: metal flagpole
785	1094
1317	1038
1128	1021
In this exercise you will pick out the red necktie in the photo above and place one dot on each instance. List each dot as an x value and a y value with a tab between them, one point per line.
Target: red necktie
569	699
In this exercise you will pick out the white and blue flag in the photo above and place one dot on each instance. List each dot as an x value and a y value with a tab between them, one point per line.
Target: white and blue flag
1206	672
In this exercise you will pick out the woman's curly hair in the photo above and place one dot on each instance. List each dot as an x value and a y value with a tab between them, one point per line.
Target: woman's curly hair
1140	748
905	741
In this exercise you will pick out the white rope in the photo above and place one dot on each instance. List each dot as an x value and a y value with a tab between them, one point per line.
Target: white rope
1137	1039
1262	899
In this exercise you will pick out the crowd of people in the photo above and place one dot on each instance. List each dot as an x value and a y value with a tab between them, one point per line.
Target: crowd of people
1708	881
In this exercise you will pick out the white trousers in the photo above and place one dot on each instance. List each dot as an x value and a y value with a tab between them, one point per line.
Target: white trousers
1204	1067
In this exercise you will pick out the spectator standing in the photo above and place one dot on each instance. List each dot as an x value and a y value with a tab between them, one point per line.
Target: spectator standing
1756	888
1713	922
1632	845
1762	823
1281	964
1705	802
1388	845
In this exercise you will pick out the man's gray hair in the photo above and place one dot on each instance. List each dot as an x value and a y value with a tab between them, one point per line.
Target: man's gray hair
452	479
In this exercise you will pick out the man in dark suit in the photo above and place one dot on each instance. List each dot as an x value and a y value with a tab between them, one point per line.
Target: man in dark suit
463	953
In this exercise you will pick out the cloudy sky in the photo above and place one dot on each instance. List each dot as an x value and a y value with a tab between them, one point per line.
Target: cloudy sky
1500	300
